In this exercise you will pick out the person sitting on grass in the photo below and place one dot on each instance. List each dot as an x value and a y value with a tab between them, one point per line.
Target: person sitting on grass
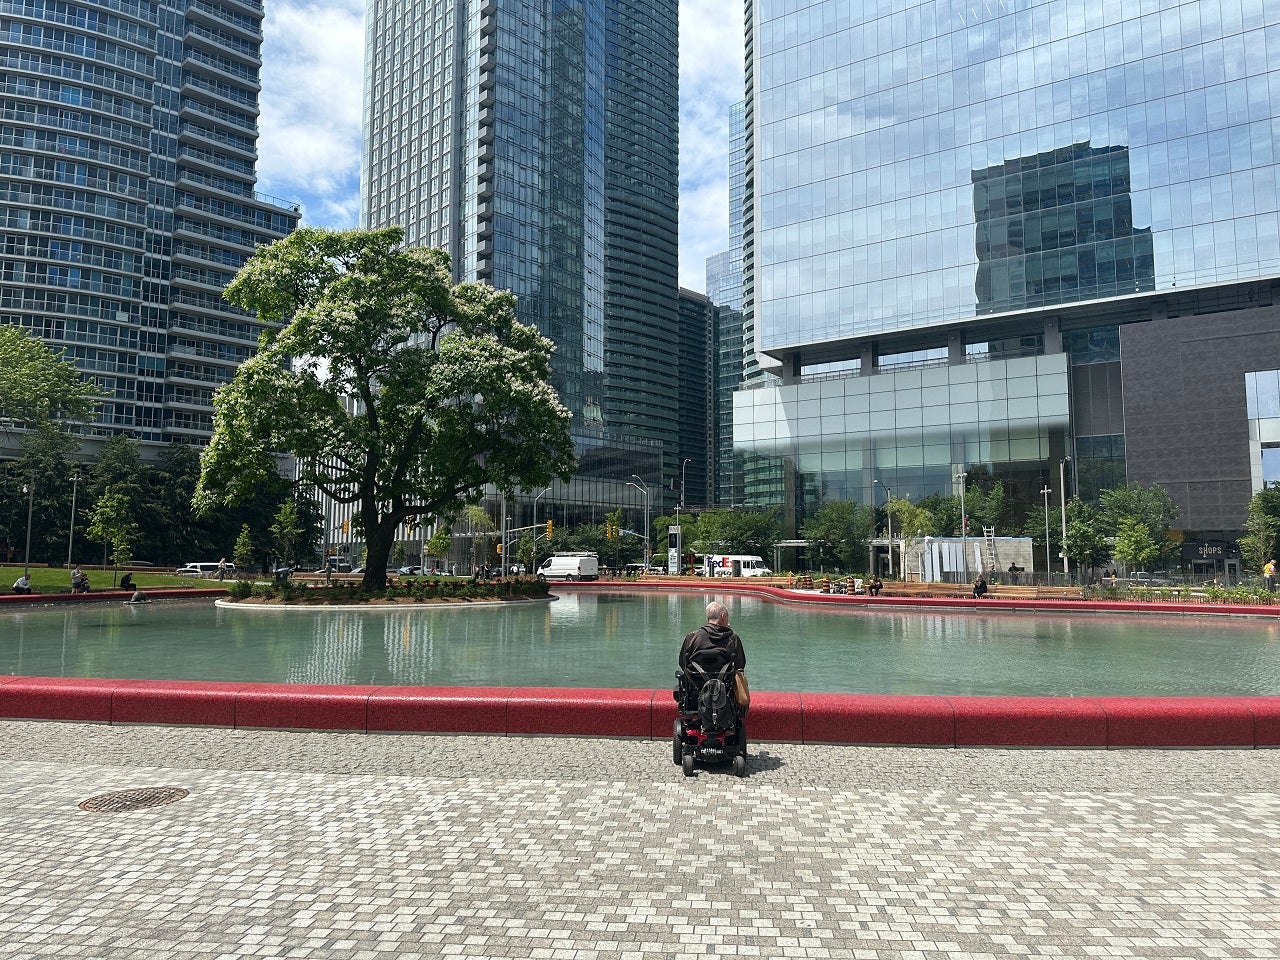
22	584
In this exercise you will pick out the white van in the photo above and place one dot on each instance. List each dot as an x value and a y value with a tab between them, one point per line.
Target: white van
570	566
734	565
204	570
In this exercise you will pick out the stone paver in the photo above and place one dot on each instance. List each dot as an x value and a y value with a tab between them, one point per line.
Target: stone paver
331	845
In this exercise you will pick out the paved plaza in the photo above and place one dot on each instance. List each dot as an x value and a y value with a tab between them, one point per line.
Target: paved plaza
353	846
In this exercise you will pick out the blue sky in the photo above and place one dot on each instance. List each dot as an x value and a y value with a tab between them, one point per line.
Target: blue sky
312	75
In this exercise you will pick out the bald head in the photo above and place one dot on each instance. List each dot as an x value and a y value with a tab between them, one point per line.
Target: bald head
717	612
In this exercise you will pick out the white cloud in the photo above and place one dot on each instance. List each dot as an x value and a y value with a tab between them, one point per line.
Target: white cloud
312	101
711	51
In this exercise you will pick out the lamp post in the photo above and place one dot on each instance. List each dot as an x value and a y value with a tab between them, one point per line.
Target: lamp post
640	485
30	490
535	528
680	530
1062	499
964	531
1048	565
71	537
889	516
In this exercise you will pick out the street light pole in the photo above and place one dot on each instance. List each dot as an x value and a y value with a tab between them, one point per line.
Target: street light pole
1048	564
645	490
535	528
964	531
30	490
889	517
71	537
1062	495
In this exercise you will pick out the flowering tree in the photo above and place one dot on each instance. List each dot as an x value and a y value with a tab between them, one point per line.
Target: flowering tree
396	390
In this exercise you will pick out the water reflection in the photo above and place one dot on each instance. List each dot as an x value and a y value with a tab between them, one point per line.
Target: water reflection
615	640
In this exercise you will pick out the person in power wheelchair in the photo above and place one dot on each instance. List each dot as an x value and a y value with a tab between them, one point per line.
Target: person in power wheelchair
710	726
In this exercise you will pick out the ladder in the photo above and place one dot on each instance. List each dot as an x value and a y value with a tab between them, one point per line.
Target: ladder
989	535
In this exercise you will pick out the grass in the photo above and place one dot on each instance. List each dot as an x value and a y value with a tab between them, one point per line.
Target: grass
58	579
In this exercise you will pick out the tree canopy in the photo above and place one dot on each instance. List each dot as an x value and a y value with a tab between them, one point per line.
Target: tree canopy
37	385
839	533
396	390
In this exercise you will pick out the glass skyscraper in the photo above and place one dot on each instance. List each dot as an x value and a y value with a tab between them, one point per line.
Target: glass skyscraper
970	226
537	143
128	144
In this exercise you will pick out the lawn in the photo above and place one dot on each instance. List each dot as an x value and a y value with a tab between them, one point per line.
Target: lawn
58	579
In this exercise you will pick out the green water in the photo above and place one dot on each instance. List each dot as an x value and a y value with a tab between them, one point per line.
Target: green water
616	640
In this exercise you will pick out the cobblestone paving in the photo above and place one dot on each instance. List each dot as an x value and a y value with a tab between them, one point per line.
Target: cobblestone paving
327	846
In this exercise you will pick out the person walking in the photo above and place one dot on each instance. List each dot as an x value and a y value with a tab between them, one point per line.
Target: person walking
222	569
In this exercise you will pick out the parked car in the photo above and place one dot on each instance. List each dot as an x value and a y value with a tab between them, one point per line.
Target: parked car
409	571
205	569
1145	578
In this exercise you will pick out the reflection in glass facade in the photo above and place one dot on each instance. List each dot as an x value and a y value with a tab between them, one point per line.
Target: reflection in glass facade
1262	393
537	144
947	186
912	430
127	199
878	125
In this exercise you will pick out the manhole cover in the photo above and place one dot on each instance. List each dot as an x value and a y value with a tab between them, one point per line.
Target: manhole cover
123	800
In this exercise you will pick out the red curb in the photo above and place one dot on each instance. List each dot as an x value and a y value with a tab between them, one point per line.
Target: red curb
288	706
438	710
1029	722
57	698
181	702
775	715
1178	722
110	596
878	719
581	711
1266	720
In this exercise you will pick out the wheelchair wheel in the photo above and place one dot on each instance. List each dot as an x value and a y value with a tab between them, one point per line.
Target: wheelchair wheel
686	763
739	766
677	743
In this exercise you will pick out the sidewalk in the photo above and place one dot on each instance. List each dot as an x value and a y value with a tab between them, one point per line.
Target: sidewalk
358	846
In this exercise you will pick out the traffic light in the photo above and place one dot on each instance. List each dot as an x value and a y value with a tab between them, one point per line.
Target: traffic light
346	526
549	529
499	549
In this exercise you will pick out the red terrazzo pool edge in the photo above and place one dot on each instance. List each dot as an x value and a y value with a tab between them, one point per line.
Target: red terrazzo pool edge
871	719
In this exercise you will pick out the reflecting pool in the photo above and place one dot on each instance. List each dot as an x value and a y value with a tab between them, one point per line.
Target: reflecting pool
630	640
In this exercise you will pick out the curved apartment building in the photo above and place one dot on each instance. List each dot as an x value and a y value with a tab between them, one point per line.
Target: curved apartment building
128	143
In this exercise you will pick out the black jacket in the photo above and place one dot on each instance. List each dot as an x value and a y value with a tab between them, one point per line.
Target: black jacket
711	647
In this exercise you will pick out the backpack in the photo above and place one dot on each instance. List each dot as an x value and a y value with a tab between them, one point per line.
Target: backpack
715	706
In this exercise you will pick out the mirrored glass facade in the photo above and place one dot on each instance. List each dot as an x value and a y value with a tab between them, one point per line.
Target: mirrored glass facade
537	143
921	163
949	186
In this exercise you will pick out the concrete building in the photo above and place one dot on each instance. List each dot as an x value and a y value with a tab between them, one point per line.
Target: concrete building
127	201
1008	236
538	145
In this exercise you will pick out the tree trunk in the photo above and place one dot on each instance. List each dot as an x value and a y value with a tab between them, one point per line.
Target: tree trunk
378	545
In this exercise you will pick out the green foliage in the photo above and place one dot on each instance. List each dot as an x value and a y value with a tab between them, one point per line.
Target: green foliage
1135	548
440	543
109	523
838	535
397	391
415	589
1150	506
37	386
243	553
285	532
1086	545
734	531
1258	544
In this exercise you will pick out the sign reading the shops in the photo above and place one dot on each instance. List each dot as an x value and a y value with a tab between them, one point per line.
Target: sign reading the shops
1210	550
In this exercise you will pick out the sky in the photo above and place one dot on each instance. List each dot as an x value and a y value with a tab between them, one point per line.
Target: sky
312	78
